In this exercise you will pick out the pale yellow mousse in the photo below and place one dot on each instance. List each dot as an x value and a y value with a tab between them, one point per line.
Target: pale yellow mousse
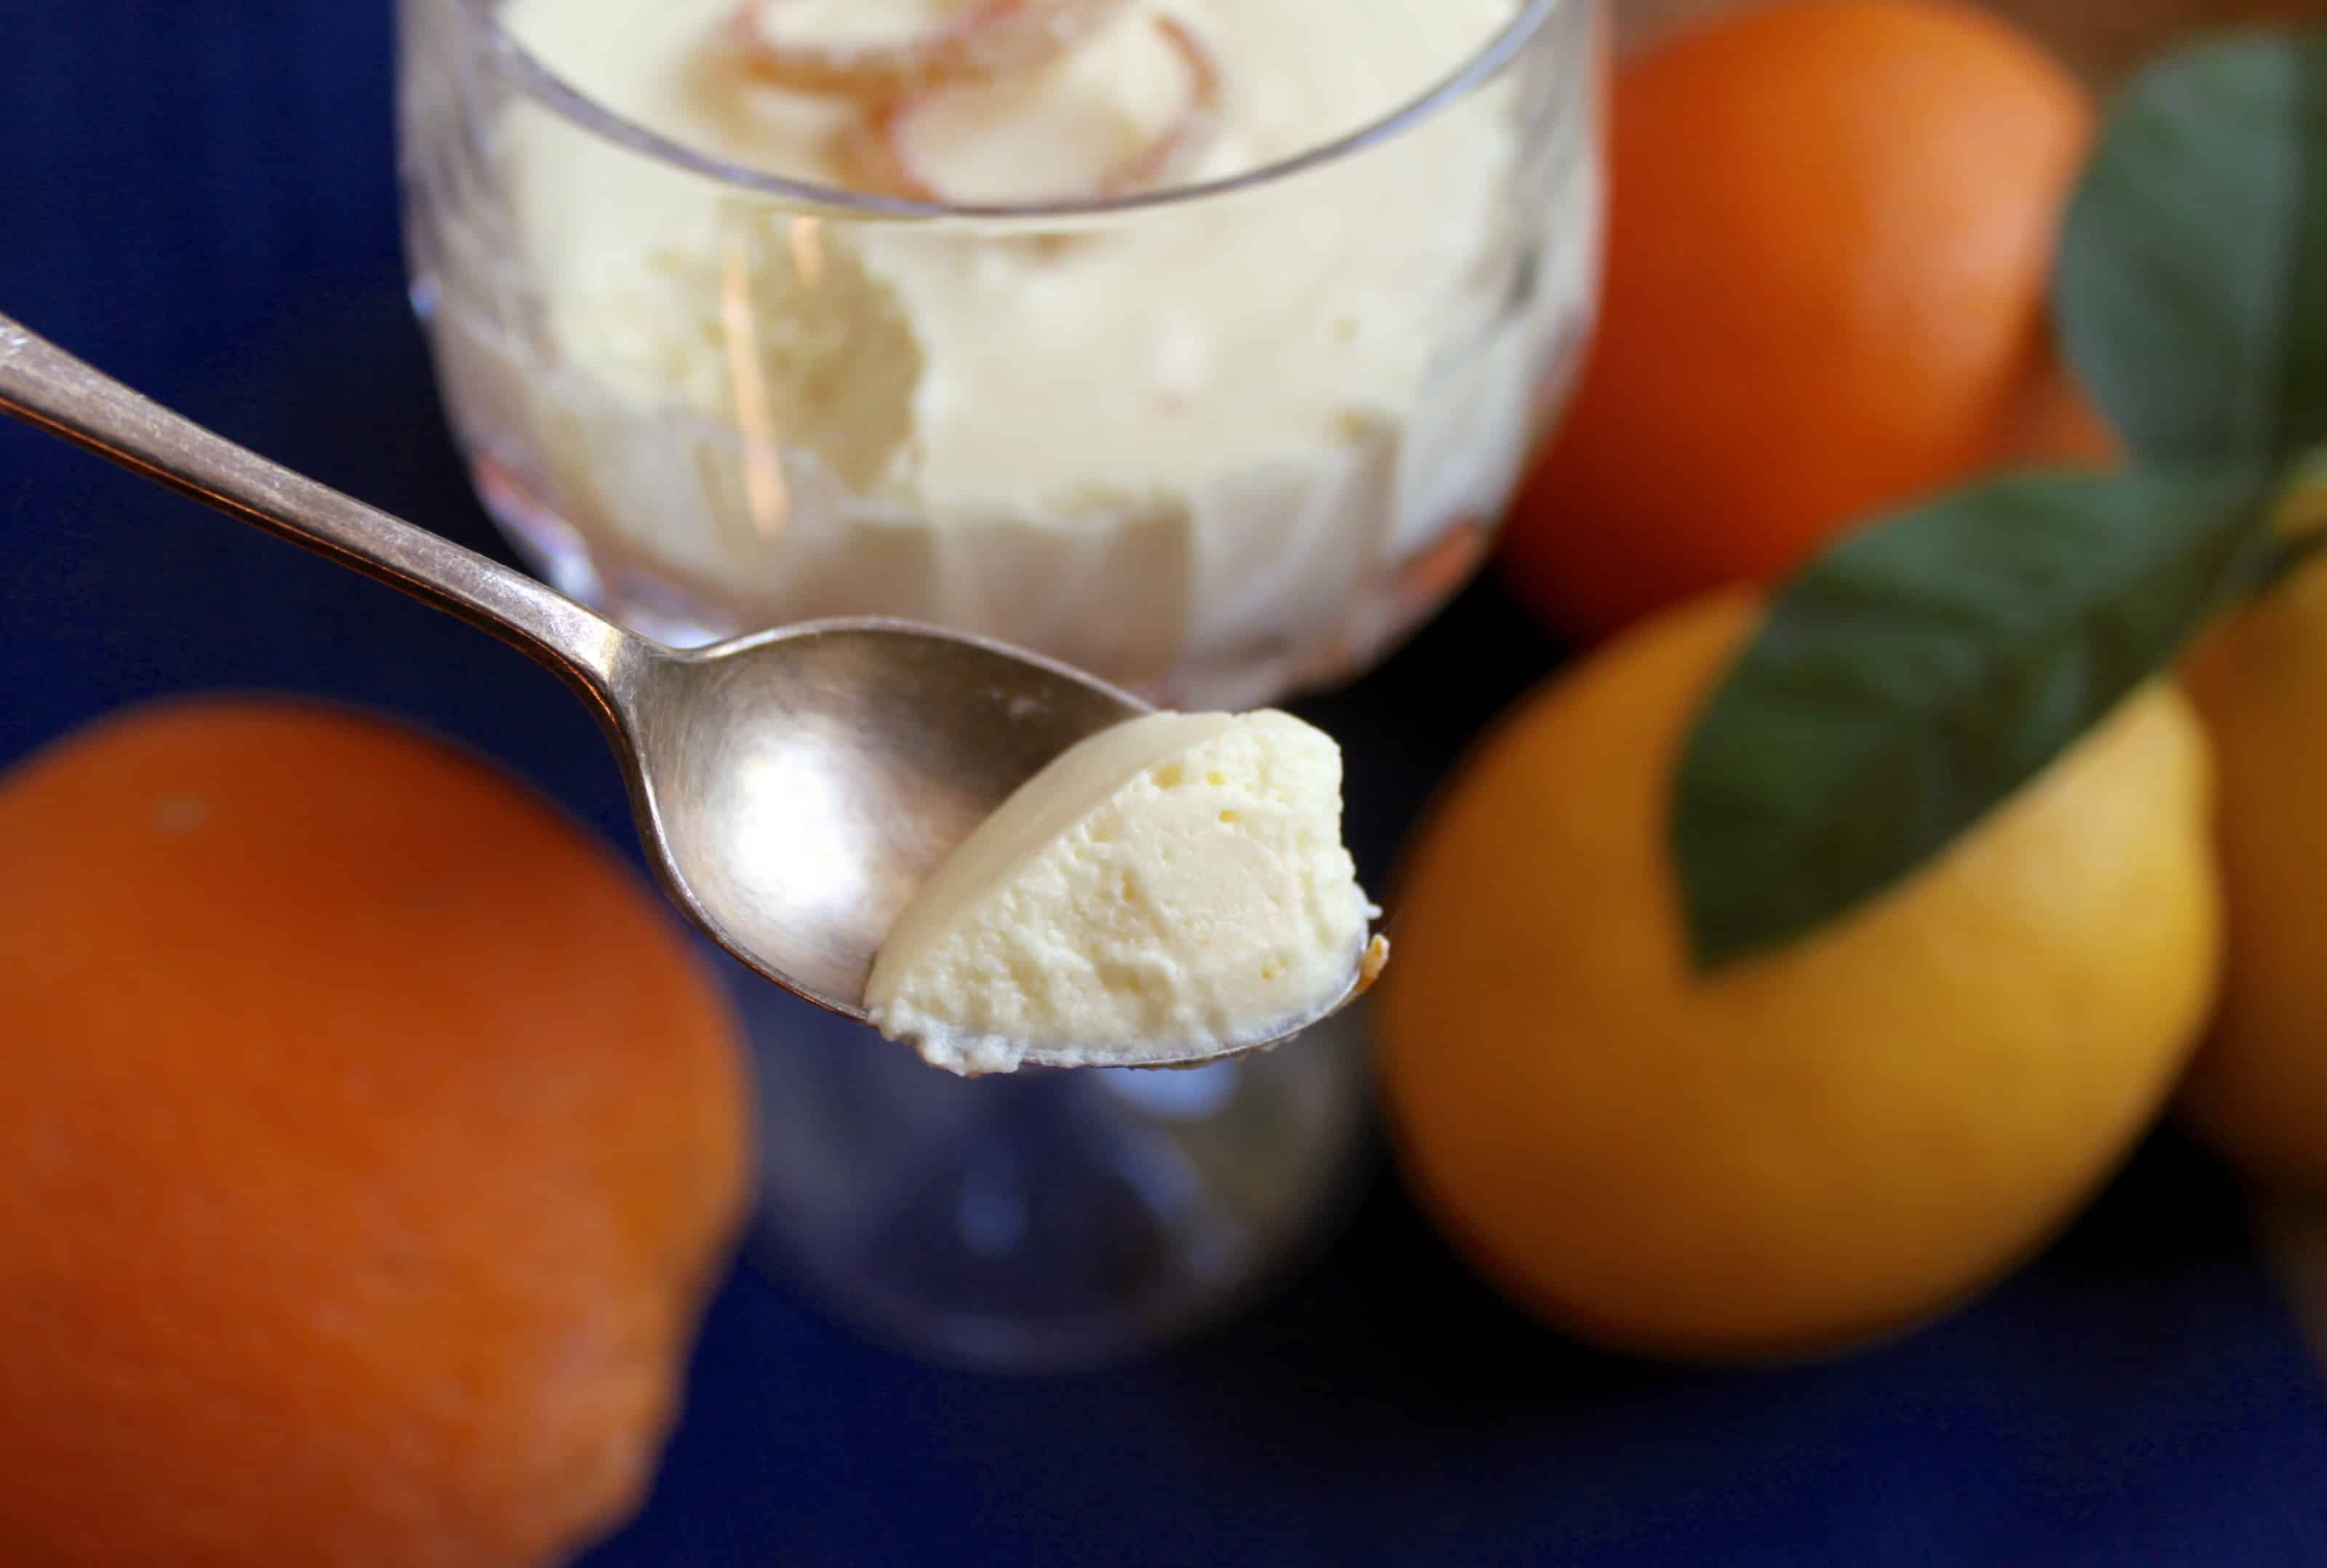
1189	434
1170	887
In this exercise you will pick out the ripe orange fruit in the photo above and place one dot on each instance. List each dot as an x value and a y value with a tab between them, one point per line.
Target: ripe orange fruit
1826	1141
371	1140
1830	234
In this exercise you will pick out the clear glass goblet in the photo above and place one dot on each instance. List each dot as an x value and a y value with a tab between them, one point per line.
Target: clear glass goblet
1220	444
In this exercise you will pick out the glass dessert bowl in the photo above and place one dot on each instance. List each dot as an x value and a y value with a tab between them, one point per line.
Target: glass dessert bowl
1213	442
1197	342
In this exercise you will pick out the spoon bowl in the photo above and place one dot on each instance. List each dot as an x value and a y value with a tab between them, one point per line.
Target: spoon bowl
800	784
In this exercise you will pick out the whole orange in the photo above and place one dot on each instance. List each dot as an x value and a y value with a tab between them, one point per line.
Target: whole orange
1826	1141
1830	231
371	1139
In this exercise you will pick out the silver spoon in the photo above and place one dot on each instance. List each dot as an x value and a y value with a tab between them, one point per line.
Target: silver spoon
792	788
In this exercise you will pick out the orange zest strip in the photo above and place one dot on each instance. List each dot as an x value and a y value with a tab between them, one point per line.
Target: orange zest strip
996	38
1181	142
877	156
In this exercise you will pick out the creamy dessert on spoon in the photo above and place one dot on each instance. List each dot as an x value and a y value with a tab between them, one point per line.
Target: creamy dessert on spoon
1166	890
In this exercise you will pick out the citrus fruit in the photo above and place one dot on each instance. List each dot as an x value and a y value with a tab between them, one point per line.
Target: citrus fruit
1830	230
1819	1143
2259	1089
369	1143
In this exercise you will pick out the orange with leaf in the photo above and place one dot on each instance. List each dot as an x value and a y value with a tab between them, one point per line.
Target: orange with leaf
1824	1141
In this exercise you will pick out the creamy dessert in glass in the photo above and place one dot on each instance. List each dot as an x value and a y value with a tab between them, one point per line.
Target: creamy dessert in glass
1198	342
1203	352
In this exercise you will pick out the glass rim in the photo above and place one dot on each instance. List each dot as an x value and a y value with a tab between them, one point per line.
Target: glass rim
545	86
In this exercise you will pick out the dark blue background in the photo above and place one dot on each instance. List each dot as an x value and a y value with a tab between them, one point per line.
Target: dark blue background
199	195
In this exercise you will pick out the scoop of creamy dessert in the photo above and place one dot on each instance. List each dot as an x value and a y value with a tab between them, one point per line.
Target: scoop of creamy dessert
1168	890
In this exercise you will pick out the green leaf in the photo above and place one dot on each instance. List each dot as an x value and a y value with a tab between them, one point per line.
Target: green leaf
1920	671
2192	288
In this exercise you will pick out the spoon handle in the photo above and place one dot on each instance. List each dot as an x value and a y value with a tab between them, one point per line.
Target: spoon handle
45	387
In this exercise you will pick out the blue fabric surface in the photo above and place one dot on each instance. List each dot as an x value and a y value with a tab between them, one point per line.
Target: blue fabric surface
200	196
